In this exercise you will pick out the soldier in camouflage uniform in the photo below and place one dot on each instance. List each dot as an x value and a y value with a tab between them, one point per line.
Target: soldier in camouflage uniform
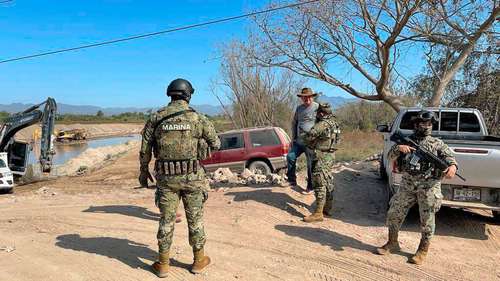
322	139
178	137
421	184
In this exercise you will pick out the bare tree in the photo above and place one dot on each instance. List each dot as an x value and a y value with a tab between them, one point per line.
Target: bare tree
259	96
457	29
317	39
368	37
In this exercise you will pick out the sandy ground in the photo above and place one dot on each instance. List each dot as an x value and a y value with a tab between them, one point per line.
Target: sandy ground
100	226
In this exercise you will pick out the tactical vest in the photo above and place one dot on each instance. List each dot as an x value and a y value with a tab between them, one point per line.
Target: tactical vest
328	143
413	165
176	137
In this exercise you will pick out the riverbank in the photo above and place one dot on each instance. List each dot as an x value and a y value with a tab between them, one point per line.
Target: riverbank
93	130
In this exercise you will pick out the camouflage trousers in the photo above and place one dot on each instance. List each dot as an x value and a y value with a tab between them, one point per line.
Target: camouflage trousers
322	179
167	199
426	193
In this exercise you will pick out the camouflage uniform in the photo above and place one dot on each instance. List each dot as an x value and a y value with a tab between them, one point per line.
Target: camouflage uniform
193	129
422	187
321	139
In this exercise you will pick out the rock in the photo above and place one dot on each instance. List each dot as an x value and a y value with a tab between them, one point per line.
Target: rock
82	170
246	174
224	175
42	190
8	249
257	179
275	179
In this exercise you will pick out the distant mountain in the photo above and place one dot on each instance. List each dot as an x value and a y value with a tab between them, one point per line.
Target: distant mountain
92	110
336	101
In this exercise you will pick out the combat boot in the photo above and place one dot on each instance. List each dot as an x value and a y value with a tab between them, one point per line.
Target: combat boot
200	261
327	210
392	245
160	267
423	249
316	216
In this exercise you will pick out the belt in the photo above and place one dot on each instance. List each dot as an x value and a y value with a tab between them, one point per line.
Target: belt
176	167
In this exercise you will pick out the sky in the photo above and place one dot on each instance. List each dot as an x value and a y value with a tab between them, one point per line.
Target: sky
129	74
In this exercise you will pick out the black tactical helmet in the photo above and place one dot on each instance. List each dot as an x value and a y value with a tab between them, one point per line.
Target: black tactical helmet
325	107
424	116
180	87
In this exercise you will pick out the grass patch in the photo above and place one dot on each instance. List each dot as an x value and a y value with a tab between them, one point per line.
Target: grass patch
354	146
358	145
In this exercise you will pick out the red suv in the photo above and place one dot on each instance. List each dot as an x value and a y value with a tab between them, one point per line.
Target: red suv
261	149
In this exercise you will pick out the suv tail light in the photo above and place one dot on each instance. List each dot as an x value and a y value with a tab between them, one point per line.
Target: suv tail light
284	148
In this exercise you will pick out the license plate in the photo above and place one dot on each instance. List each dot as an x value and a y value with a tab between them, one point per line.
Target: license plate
466	194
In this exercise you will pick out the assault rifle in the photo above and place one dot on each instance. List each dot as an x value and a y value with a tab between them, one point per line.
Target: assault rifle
421	152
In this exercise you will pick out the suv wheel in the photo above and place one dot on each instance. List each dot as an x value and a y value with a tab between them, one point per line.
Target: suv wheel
261	166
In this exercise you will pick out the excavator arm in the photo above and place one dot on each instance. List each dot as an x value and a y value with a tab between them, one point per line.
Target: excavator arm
28	117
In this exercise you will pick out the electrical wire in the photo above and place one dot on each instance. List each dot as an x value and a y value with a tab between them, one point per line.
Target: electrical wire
157	33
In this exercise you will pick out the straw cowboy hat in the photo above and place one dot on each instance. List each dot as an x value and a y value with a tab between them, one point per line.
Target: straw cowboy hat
307	92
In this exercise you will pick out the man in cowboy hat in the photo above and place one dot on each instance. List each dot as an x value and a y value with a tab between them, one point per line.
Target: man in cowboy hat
303	120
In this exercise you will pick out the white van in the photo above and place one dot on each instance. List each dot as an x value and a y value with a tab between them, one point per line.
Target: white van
6	179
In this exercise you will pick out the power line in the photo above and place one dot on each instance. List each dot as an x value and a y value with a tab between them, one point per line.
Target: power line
157	33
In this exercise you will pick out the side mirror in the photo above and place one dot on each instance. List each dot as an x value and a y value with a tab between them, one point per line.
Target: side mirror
383	128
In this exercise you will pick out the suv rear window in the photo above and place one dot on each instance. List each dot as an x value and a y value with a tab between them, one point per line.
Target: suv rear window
231	141
469	122
2	164
264	138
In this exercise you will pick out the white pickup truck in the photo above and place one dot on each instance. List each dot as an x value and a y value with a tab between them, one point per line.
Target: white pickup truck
477	154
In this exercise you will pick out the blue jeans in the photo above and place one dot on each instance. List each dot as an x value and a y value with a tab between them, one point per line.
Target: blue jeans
291	158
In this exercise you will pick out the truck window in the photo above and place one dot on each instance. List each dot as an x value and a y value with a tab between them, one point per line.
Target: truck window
469	122
264	138
2	164
231	141
449	121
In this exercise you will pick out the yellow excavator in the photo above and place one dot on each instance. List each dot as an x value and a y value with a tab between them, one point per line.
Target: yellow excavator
71	135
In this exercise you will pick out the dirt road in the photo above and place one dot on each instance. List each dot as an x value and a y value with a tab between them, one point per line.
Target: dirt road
100	227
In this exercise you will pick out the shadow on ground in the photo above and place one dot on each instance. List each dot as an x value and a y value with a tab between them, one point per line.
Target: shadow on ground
127	210
124	250
325	237
279	200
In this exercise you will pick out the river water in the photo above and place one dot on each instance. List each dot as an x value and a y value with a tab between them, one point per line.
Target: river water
65	152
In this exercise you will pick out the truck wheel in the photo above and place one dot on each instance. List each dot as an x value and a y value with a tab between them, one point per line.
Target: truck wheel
260	166
382	171
496	215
